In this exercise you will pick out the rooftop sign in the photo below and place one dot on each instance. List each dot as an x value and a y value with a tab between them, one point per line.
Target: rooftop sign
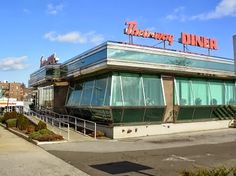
200	41
49	61
186	39
132	29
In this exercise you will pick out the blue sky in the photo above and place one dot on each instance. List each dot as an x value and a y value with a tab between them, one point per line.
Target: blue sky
34	28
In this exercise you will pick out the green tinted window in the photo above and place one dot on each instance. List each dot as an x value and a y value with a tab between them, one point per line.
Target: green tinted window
200	92
132	90
116	91
217	92
153	90
99	92
75	95
107	92
184	92
87	93
204	92
230	93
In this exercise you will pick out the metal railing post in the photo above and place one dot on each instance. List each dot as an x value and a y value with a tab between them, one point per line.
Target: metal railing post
68	132
84	128
75	124
95	131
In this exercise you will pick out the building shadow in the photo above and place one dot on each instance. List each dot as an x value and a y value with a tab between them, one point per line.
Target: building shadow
122	167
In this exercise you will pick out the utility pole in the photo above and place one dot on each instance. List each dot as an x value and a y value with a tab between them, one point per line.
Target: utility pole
9	88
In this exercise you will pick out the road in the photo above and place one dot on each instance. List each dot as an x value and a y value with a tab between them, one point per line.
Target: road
152	156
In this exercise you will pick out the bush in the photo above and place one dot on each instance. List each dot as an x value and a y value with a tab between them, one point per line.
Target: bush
9	115
30	129
50	137
220	171
98	134
1	119
45	135
45	132
41	125
35	135
11	123
22	122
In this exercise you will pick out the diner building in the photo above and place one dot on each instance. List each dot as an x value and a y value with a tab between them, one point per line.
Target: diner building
134	90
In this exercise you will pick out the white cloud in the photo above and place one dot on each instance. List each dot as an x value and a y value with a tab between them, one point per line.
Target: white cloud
54	9
177	14
75	37
223	9
13	63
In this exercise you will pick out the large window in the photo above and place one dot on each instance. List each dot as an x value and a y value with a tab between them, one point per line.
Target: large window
99	92
136	90
87	93
95	92
132	90
75	95
117	98
200	92
120	89
46	96
204	92
153	90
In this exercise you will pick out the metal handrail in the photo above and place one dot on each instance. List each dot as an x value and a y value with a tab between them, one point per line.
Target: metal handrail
84	124
48	119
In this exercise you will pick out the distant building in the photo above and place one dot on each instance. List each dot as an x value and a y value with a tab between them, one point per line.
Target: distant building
13	95
14	90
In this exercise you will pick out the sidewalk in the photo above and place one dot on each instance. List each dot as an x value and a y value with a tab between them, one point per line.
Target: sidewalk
149	142
21	158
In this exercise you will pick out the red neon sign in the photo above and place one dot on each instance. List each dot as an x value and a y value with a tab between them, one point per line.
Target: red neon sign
134	31
50	60
186	39
200	41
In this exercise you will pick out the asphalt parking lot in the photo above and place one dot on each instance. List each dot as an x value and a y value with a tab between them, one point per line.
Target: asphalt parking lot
152	156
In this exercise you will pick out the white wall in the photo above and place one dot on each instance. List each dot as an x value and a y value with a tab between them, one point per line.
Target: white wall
168	128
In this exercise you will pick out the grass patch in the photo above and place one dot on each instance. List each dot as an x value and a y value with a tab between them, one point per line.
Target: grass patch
11	123
45	135
218	171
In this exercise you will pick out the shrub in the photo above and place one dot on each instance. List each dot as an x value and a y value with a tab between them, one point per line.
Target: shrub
45	135
9	115
45	132
220	171
234	171
11	123
98	134
50	137
41	125
14	115
1	119
22	122
30	129
35	135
